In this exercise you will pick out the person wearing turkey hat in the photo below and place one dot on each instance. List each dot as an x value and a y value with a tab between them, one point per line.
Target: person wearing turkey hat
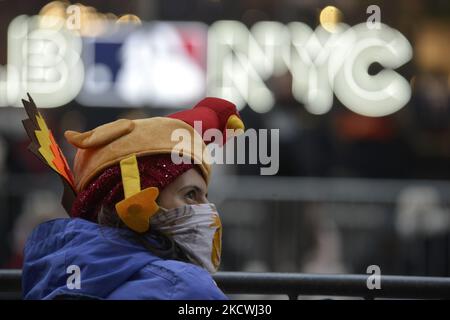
141	226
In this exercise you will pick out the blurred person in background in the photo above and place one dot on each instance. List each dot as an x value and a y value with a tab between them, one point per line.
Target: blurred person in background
40	206
423	226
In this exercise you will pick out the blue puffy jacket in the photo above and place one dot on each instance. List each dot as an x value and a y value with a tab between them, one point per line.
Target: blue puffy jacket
110	266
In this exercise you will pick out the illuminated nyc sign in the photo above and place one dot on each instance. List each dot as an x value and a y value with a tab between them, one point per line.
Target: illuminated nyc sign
320	62
170	64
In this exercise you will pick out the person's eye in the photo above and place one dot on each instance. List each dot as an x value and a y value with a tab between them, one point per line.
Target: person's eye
191	195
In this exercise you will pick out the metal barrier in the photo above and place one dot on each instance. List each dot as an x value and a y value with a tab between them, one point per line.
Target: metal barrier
294	285
10	284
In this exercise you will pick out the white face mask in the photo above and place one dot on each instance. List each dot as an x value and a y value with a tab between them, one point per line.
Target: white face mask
197	229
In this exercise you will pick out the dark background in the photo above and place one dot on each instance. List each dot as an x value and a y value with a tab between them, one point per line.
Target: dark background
357	189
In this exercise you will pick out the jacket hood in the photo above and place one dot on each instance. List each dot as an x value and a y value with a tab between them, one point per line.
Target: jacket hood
58	248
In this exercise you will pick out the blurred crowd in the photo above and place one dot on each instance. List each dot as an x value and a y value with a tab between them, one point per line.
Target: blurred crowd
407	235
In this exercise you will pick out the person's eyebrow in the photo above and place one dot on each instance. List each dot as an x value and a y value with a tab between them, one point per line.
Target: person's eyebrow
193	186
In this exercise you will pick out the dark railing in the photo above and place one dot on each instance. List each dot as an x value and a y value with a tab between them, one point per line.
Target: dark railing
10	284
345	285
294	285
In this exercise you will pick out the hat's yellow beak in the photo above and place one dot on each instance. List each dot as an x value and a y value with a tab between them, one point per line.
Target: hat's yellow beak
235	123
